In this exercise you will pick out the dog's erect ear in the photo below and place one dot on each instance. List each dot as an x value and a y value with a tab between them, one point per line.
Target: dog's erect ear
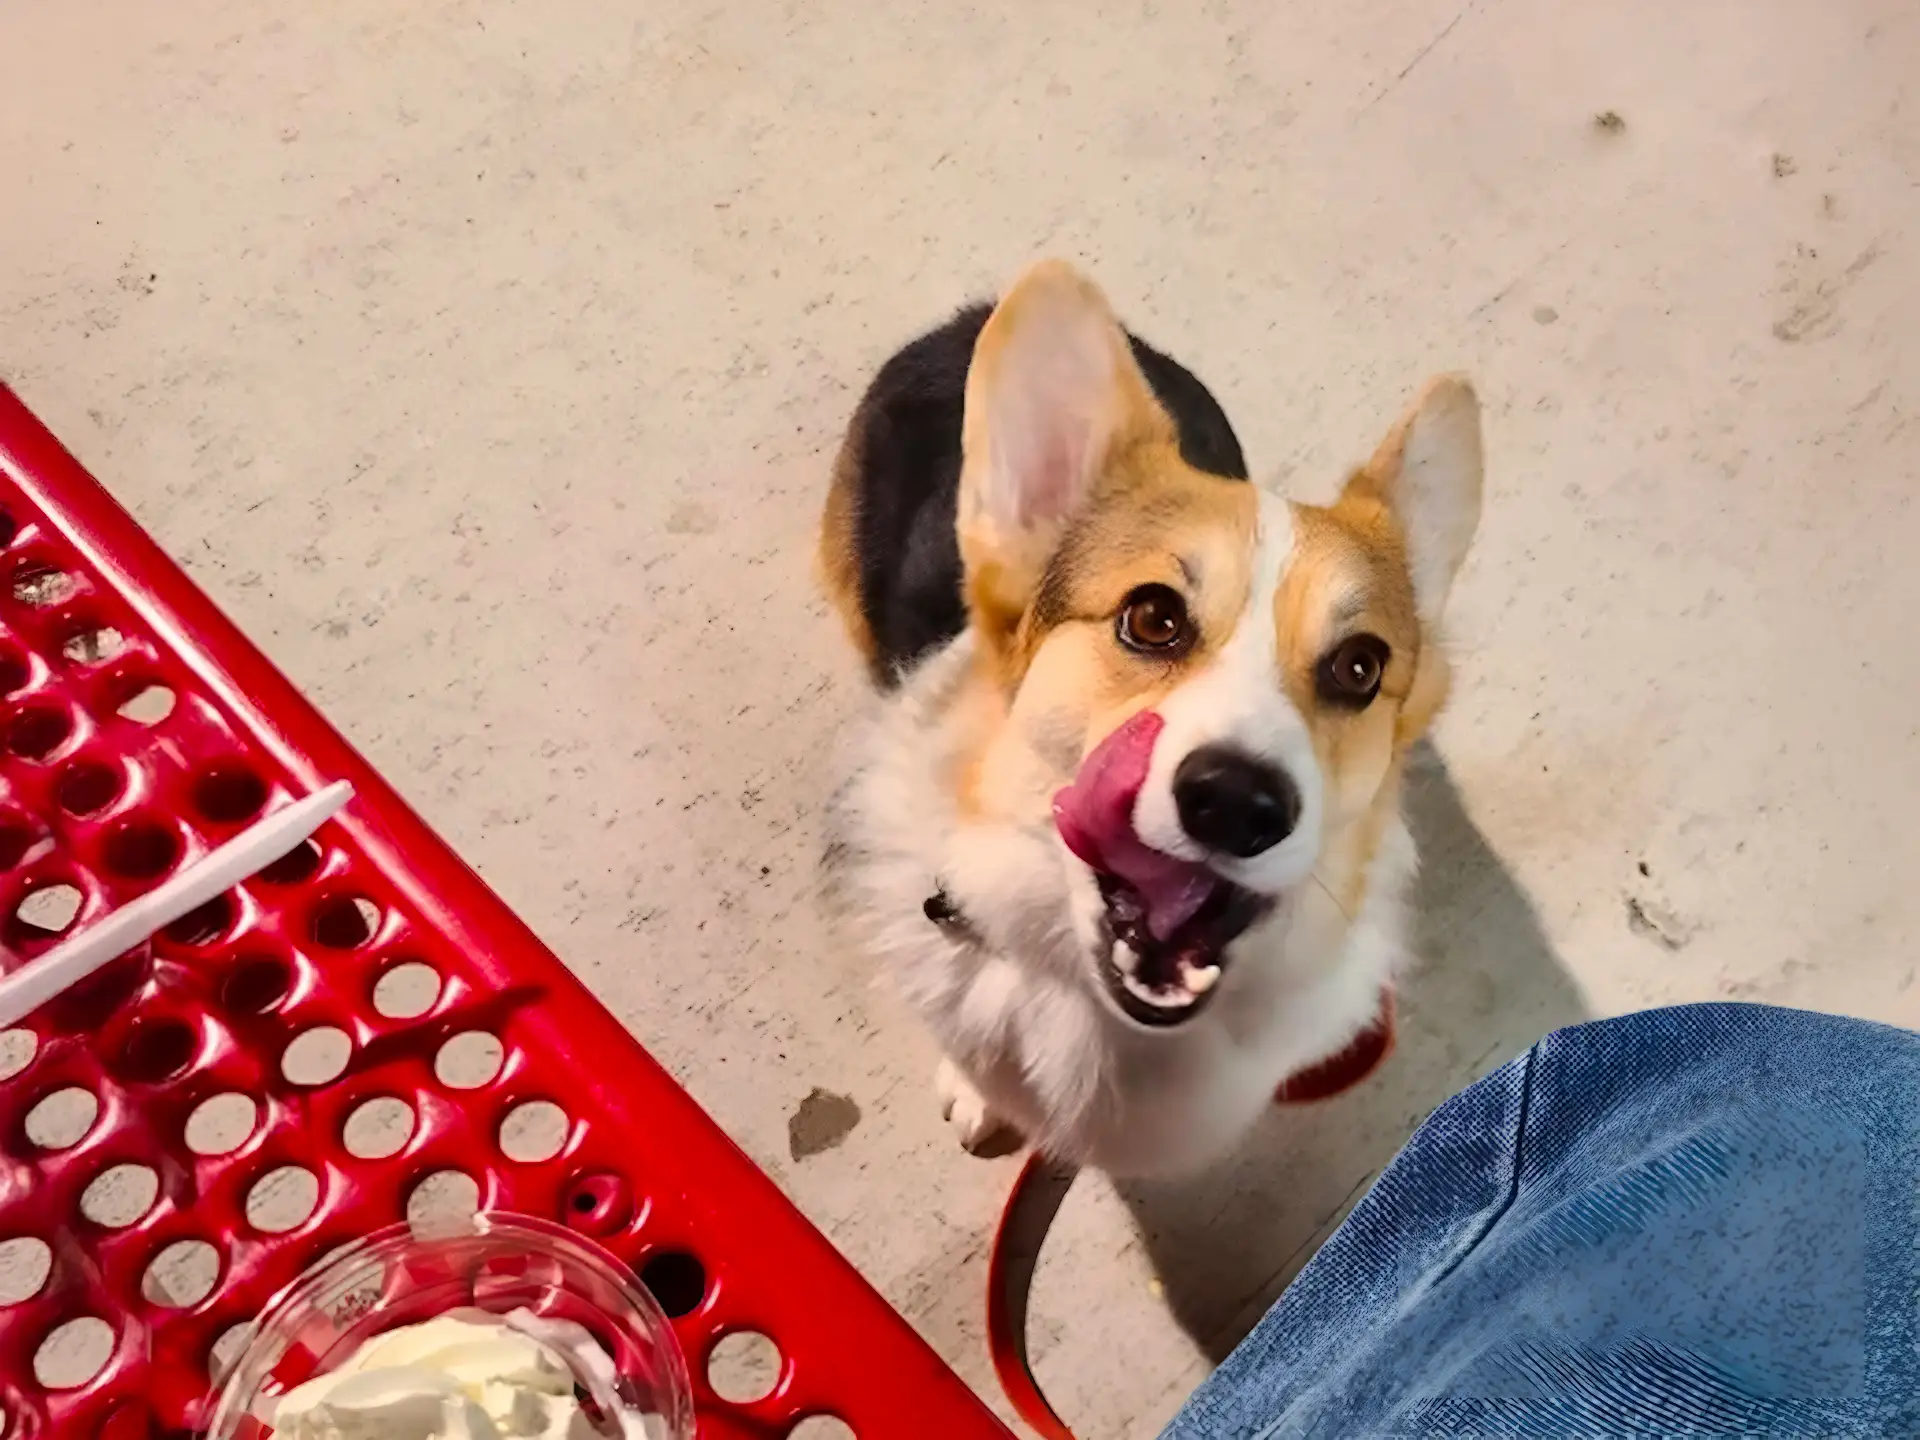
1052	393
1428	473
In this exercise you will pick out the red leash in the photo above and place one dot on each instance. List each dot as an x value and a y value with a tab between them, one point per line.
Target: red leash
1042	1185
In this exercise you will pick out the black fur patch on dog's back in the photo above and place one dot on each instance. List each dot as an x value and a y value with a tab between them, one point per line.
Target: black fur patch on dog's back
904	449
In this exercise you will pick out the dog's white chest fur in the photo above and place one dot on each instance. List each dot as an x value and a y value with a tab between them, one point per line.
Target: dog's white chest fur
1012	995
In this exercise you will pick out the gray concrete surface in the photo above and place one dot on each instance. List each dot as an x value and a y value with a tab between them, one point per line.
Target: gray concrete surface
481	358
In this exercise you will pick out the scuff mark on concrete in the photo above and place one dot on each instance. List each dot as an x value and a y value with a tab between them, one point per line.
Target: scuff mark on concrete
1657	923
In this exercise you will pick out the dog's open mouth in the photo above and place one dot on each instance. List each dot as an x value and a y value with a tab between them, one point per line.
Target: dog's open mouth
1170	919
1166	981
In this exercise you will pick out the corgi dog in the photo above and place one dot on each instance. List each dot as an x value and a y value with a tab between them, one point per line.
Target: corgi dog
1125	830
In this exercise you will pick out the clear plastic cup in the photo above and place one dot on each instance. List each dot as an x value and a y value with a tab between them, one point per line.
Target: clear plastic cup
543	1274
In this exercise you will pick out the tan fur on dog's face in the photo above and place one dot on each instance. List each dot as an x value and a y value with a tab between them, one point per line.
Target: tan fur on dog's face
1074	495
1156	522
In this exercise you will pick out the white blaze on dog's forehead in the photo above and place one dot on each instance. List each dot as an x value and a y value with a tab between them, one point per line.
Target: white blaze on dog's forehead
1238	700
1255	636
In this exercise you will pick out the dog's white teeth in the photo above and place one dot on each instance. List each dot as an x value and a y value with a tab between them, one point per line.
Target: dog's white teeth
1171	999
1124	960
1200	978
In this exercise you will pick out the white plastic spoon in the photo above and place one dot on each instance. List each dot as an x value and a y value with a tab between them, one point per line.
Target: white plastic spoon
247	853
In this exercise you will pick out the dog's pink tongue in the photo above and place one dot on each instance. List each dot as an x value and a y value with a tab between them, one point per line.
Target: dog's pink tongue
1095	818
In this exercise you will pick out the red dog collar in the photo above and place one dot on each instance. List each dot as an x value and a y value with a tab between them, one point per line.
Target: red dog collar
1042	1185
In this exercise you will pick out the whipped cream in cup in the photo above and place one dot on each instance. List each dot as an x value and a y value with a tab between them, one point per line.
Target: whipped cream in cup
499	1328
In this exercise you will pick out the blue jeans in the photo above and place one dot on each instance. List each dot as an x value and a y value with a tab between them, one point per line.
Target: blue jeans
1697	1221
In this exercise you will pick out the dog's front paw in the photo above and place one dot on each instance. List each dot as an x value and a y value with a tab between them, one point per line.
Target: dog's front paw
962	1106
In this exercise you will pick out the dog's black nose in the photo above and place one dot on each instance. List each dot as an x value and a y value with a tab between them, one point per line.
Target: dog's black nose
1233	803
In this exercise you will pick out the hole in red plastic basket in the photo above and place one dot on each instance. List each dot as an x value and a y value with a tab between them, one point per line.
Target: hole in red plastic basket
16	838
148	705
119	1196
317	1057
407	991
15	672
62	1119
227	1349
25	1263
157	1050
228	794
378	1129
297	865
98	998
220	1124
39	584
599	1204
141	849
17	1049
469	1060
283	1199
821	1427
533	1132
257	985
37	732
73	1354
743	1366
182	1275
87	786
44	912
676	1280
91	644
444	1197
203	924
345	922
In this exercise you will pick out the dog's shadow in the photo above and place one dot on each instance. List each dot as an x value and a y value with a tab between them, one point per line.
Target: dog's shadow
1225	1243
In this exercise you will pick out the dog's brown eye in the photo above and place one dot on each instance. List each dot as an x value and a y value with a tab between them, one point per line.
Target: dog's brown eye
1350	672
1154	621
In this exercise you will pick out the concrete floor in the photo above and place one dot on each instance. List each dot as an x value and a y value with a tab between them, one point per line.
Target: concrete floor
481	359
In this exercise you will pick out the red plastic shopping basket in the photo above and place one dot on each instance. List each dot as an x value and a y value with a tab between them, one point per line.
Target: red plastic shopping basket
138	728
